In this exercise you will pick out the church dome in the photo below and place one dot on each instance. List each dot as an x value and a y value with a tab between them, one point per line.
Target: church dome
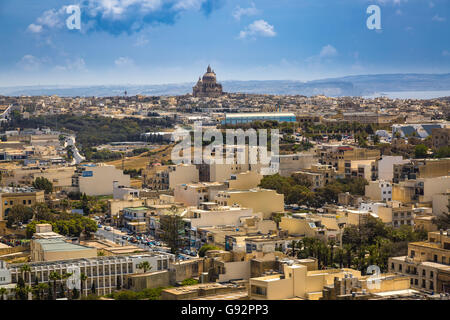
209	75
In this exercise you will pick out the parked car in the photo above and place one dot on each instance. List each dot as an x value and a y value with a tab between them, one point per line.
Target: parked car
107	228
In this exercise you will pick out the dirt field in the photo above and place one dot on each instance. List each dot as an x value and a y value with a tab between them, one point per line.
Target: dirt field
142	160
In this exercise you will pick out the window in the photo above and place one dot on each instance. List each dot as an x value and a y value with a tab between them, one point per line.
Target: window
259	290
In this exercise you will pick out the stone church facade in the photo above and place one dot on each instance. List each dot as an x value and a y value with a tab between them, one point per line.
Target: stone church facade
207	86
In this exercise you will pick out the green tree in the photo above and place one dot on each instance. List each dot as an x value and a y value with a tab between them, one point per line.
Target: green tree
144	265
42	183
206	247
19	213
189	282
420	151
26	270
83	278
41	288
54	276
443	152
3	292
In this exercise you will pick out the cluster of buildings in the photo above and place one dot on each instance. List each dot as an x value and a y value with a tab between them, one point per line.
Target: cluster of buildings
249	229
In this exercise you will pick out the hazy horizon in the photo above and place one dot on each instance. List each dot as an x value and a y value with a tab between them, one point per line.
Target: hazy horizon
157	42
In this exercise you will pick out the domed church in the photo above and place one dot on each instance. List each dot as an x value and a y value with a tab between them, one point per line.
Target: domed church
208	86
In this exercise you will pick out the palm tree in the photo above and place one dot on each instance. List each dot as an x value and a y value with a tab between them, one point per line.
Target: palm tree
83	278
28	290
54	276
145	265
293	244
64	277
41	288
332	244
3	293
24	270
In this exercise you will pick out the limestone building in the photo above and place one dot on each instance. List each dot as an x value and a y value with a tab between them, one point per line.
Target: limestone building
208	86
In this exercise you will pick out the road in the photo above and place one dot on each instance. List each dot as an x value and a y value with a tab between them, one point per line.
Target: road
116	236
77	157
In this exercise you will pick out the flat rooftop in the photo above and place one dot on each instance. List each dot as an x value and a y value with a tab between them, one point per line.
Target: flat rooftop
259	114
137	208
60	245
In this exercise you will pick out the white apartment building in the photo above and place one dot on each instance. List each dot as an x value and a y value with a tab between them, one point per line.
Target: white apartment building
192	194
103	273
386	166
211	215
380	190
124	193
98	179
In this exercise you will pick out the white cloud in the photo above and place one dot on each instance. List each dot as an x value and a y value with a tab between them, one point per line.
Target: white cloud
328	51
187	4
77	64
395	2
446	53
438	18
123	61
258	28
52	18
34	28
239	12
29	63
141	41
133	15
115	9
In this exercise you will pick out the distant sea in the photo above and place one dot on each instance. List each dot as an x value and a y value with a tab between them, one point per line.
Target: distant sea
420	95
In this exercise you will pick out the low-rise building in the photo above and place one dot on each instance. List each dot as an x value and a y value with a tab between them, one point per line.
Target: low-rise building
260	200
318	175
295	282
10	196
426	260
104	274
99	179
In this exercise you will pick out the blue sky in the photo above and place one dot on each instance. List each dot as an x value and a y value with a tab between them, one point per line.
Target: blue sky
169	41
